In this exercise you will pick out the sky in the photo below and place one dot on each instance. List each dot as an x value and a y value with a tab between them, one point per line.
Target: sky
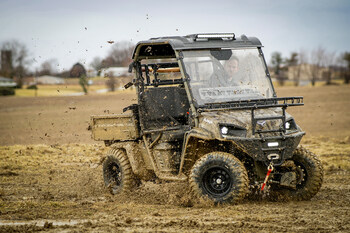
78	30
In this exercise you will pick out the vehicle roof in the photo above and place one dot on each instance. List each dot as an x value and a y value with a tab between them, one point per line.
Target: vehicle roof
191	42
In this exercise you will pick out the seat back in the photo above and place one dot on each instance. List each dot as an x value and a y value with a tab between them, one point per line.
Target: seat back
164	106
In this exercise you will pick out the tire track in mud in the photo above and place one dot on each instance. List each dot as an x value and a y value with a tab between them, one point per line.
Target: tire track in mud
60	182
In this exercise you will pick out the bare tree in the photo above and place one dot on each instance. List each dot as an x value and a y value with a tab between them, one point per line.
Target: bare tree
322	64
48	67
107	62
293	67
97	65
317	60
119	55
111	82
20	58
345	60
329	62
276	62
303	61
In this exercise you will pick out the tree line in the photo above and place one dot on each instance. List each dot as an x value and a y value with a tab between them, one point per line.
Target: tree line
316	64
118	56
16	60
311	65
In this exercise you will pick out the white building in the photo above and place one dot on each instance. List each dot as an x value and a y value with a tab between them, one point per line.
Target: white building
7	82
115	72
47	79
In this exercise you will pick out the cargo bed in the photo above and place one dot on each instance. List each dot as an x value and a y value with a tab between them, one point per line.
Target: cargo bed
120	127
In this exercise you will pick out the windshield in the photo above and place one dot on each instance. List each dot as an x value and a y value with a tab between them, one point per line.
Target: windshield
226	75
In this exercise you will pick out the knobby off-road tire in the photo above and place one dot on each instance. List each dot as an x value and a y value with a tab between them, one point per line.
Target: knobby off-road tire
219	176
309	178
117	173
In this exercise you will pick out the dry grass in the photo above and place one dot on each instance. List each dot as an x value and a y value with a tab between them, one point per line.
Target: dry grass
290	83
335	153
55	90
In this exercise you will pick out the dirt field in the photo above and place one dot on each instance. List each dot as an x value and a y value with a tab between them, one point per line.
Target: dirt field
51	179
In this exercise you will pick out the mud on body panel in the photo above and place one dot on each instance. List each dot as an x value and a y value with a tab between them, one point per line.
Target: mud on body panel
138	159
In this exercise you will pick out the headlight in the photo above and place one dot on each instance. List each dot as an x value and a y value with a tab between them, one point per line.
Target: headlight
232	130
287	125
272	144
290	125
224	130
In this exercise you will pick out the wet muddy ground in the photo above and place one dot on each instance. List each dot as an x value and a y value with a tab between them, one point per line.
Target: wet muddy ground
56	185
60	187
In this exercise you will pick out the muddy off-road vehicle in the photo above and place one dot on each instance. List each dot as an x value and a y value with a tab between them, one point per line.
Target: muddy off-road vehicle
207	112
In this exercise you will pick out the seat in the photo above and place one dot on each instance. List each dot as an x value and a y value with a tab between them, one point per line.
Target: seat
164	107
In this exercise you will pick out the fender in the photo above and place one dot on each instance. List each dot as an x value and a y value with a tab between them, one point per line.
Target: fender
135	156
196	133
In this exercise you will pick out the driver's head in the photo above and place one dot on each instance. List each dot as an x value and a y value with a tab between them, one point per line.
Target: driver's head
231	66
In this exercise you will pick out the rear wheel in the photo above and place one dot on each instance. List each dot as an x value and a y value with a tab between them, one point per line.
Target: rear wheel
219	176
117	173
309	178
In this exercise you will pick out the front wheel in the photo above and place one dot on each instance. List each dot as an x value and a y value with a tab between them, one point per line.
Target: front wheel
219	176
309	177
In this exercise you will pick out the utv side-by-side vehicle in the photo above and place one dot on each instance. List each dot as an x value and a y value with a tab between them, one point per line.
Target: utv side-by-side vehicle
207	112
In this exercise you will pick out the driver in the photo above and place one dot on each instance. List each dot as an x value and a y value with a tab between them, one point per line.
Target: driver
226	75
231	69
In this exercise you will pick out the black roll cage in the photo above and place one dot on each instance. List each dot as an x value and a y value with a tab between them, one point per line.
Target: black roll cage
154	68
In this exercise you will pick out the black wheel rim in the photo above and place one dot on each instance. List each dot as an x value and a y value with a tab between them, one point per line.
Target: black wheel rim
217	181
302	175
114	175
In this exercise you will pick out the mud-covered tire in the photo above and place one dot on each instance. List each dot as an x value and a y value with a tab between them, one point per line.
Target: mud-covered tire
117	173
219	176
309	181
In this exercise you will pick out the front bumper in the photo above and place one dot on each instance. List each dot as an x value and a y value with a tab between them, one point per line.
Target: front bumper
260	149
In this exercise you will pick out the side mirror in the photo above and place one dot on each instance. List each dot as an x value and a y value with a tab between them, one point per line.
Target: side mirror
132	107
129	84
130	67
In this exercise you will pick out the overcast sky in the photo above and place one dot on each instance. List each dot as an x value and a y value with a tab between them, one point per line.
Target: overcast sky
56	29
